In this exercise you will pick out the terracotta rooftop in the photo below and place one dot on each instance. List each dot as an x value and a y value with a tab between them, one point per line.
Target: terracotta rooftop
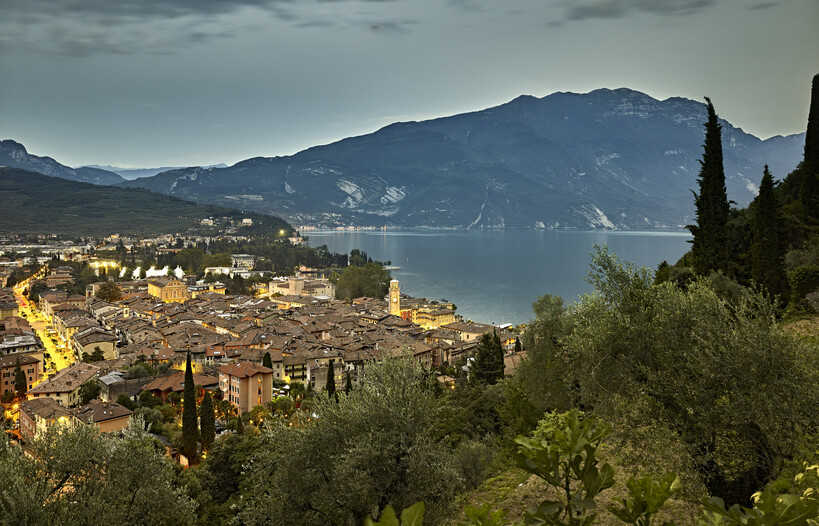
244	369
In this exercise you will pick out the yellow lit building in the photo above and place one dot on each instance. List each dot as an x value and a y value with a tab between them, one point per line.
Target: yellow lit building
168	290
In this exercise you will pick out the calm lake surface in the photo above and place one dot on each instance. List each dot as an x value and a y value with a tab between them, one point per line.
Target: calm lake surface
494	276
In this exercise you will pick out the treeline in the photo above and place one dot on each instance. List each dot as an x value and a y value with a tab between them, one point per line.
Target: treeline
772	244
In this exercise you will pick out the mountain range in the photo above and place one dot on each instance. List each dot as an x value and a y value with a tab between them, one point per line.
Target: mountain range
606	159
136	173
616	159
14	155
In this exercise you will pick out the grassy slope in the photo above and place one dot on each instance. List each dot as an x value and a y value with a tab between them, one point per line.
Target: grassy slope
35	203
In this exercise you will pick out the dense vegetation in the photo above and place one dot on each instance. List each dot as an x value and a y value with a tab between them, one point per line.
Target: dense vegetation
772	244
35	203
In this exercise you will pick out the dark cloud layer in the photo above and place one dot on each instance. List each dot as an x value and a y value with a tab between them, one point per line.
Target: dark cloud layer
586	9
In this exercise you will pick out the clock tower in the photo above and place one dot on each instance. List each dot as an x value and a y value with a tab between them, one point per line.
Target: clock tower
395	298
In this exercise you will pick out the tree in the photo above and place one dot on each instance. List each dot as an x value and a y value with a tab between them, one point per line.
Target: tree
767	252
207	422
331	380
809	190
20	382
710	239
109	291
89	390
372	448
488	366
348	384
76	475
267	361
190	433
705	366
371	280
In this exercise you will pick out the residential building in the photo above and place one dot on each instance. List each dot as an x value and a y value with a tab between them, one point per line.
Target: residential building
109	416
64	386
243	261
246	385
174	382
32	369
39	414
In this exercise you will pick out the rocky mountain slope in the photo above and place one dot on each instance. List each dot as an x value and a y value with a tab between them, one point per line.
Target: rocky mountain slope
606	159
14	155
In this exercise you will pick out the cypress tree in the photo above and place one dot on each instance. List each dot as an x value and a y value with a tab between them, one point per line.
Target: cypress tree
240	427
488	365
207	422
331	381
809	191
267	361
766	249
20	383
190	433
712	209
348	384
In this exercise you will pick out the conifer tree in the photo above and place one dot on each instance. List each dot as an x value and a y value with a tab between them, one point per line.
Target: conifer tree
809	191
267	361
488	365
20	383
348	384
207	422
331	380
190	433
766	250
709	248
240	426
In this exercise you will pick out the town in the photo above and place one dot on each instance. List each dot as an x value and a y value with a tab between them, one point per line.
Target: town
121	346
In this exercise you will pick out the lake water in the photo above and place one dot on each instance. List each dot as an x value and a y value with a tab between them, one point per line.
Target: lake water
494	276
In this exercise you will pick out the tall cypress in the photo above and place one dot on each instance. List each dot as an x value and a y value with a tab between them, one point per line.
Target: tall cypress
207	422
331	380
488	366
348	385
709	248
190	433
20	383
809	191
267	361
767	251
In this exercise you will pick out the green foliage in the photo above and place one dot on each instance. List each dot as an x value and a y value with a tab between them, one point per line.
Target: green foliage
89	390
410	516
483	515
125	401
370	280
149	400
567	461
488	366
372	448
645	498
767	251
708	367
20	382
809	189
109	291
710	234
769	508
190	433
80	476
348	383
331	380
207	422
267	361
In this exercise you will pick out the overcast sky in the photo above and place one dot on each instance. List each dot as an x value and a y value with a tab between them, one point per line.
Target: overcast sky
144	83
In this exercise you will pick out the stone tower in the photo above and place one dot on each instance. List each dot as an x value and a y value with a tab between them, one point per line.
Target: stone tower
395	298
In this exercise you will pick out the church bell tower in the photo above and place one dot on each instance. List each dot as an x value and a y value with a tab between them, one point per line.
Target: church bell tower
395	298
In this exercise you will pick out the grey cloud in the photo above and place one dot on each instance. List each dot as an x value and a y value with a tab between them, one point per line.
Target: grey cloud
764	5
587	9
389	26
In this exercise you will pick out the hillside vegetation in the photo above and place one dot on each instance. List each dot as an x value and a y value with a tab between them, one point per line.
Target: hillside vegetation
35	203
